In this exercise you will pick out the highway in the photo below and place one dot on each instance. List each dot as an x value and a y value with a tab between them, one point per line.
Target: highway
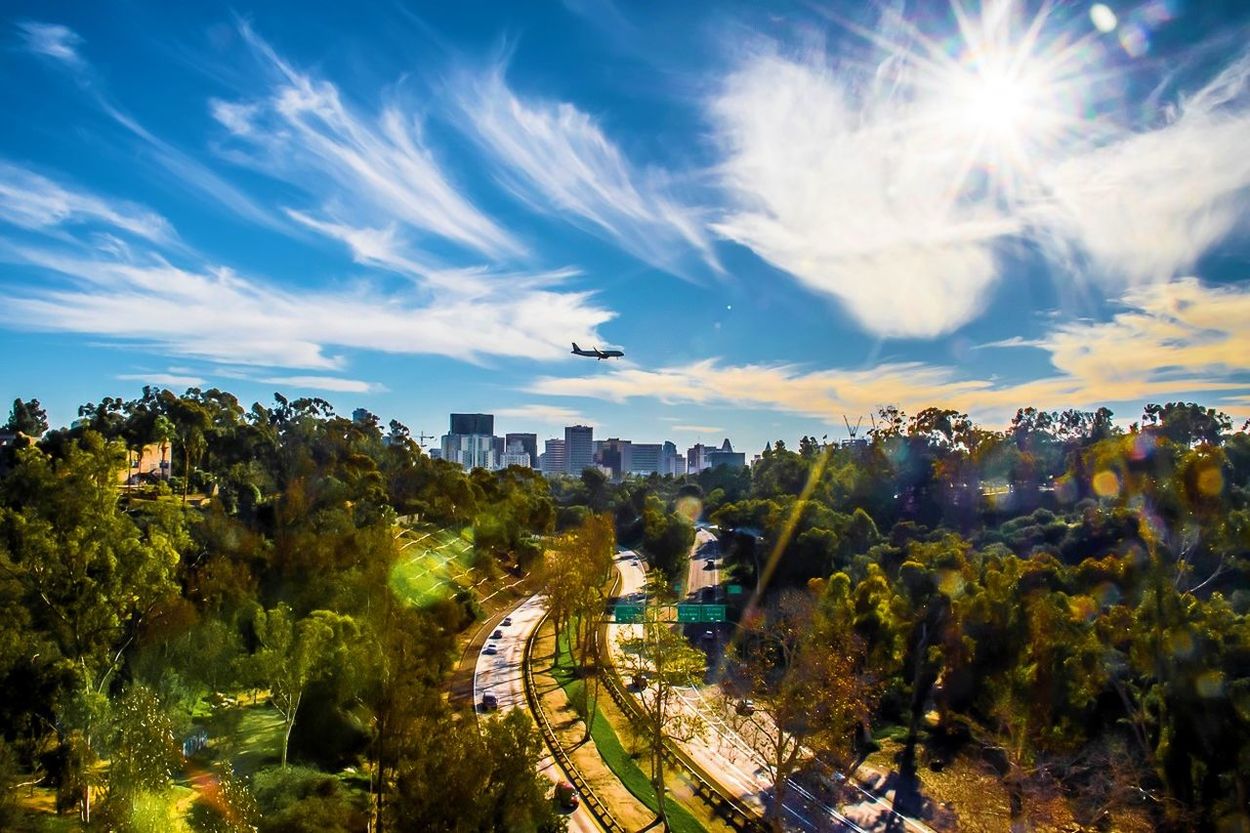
724	754
501	674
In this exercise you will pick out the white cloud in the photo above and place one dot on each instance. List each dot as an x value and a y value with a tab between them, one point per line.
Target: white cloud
53	40
1146	206
331	383
858	201
32	201
215	314
700	429
168	380
377	168
557	159
546	414
1179	338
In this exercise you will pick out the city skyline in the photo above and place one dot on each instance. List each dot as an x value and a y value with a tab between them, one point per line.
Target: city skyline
416	210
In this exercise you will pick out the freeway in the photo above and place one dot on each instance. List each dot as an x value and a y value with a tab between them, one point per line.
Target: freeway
723	753
502	675
699	576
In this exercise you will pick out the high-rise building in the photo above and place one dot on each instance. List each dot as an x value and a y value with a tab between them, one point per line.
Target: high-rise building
515	455
554	460
471	441
473	424
579	448
670	461
529	444
613	454
645	458
725	456
696	458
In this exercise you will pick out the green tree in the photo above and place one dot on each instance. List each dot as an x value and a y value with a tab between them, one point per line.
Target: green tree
28	417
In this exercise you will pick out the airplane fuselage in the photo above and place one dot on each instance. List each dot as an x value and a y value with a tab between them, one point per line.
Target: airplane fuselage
596	353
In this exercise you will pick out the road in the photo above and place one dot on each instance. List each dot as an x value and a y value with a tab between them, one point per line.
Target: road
699	576
726	756
502	674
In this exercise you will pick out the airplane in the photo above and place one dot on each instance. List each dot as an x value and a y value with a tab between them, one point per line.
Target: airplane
597	353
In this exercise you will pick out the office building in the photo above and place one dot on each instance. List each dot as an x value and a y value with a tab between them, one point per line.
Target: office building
473	424
613	456
644	458
529	444
725	456
554	460
579	448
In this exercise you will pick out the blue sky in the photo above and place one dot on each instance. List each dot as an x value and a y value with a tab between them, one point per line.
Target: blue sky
783	213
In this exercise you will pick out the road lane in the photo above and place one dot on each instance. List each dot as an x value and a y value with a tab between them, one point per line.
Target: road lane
502	674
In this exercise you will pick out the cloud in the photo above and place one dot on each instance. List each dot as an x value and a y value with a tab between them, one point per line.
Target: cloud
377	168
331	383
1171	339
557	159
214	313
859	201
52	40
1146	206
31	201
168	380
547	414
700	429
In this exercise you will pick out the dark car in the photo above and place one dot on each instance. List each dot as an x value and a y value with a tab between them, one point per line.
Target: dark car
489	702
507	620
709	636
566	796
709	564
640	681
745	708
498	634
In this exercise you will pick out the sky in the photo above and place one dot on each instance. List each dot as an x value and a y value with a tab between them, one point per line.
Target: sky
784	213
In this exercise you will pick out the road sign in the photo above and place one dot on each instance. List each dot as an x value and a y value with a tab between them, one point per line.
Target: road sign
689	613
713	613
627	613
734	589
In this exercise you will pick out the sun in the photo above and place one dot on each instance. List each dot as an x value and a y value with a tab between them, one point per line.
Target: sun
998	104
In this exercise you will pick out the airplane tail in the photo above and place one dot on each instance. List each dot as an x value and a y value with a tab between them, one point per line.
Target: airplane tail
575	347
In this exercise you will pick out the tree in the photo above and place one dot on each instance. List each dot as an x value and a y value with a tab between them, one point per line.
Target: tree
293	653
809	686
28	417
658	651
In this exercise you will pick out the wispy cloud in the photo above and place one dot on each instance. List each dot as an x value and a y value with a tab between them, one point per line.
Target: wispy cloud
1170	339
376	167
1145	206
546	414
168	380
214	313
557	159
52	40
59	43
330	383
700	429
32	201
858	201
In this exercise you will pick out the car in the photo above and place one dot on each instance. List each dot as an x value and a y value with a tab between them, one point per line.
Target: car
489	702
745	708
709	636
640	681
707	594
507	620
498	634
566	796
491	649
709	564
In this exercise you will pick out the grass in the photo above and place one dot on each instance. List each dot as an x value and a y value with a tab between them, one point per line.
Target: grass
613	752
433	562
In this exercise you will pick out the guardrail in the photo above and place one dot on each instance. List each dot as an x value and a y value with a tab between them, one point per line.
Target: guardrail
591	801
741	816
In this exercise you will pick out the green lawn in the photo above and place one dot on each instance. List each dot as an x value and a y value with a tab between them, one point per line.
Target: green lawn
621	763
433	563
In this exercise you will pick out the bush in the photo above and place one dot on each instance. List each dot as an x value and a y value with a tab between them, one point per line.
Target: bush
303	800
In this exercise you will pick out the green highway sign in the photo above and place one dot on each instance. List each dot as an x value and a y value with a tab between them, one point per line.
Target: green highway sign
713	613
734	589
628	613
689	613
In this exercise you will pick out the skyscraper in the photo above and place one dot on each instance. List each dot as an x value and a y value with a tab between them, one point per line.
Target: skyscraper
473	424
554	460
579	448
529	442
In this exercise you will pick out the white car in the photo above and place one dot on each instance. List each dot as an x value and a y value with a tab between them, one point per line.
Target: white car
490	650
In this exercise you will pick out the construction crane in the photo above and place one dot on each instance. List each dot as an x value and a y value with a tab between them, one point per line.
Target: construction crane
852	431
422	437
